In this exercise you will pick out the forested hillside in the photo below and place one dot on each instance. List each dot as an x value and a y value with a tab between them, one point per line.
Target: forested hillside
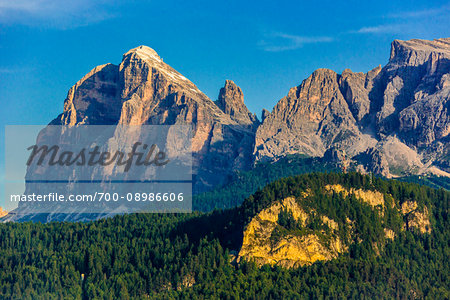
192	256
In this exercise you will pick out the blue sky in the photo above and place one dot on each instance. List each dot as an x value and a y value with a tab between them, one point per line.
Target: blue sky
266	47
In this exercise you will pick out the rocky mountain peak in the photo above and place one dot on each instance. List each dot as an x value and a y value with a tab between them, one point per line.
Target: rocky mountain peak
313	117
322	74
231	102
144	90
144	65
93	99
232	90
410	92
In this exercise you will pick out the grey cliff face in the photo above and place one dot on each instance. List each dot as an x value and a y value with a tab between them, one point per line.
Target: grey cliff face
314	117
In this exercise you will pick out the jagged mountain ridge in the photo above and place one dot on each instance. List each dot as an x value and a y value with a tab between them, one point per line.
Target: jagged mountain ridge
392	120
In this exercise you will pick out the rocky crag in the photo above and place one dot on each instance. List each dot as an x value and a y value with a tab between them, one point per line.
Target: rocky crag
297	231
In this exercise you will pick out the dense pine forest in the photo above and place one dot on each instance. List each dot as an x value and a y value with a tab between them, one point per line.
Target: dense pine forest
188	256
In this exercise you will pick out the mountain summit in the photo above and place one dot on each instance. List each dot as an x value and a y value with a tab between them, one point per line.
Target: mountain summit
143	89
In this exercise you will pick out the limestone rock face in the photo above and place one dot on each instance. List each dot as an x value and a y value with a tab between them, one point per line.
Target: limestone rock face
412	92
418	52
3	212
416	219
373	198
145	90
290	250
